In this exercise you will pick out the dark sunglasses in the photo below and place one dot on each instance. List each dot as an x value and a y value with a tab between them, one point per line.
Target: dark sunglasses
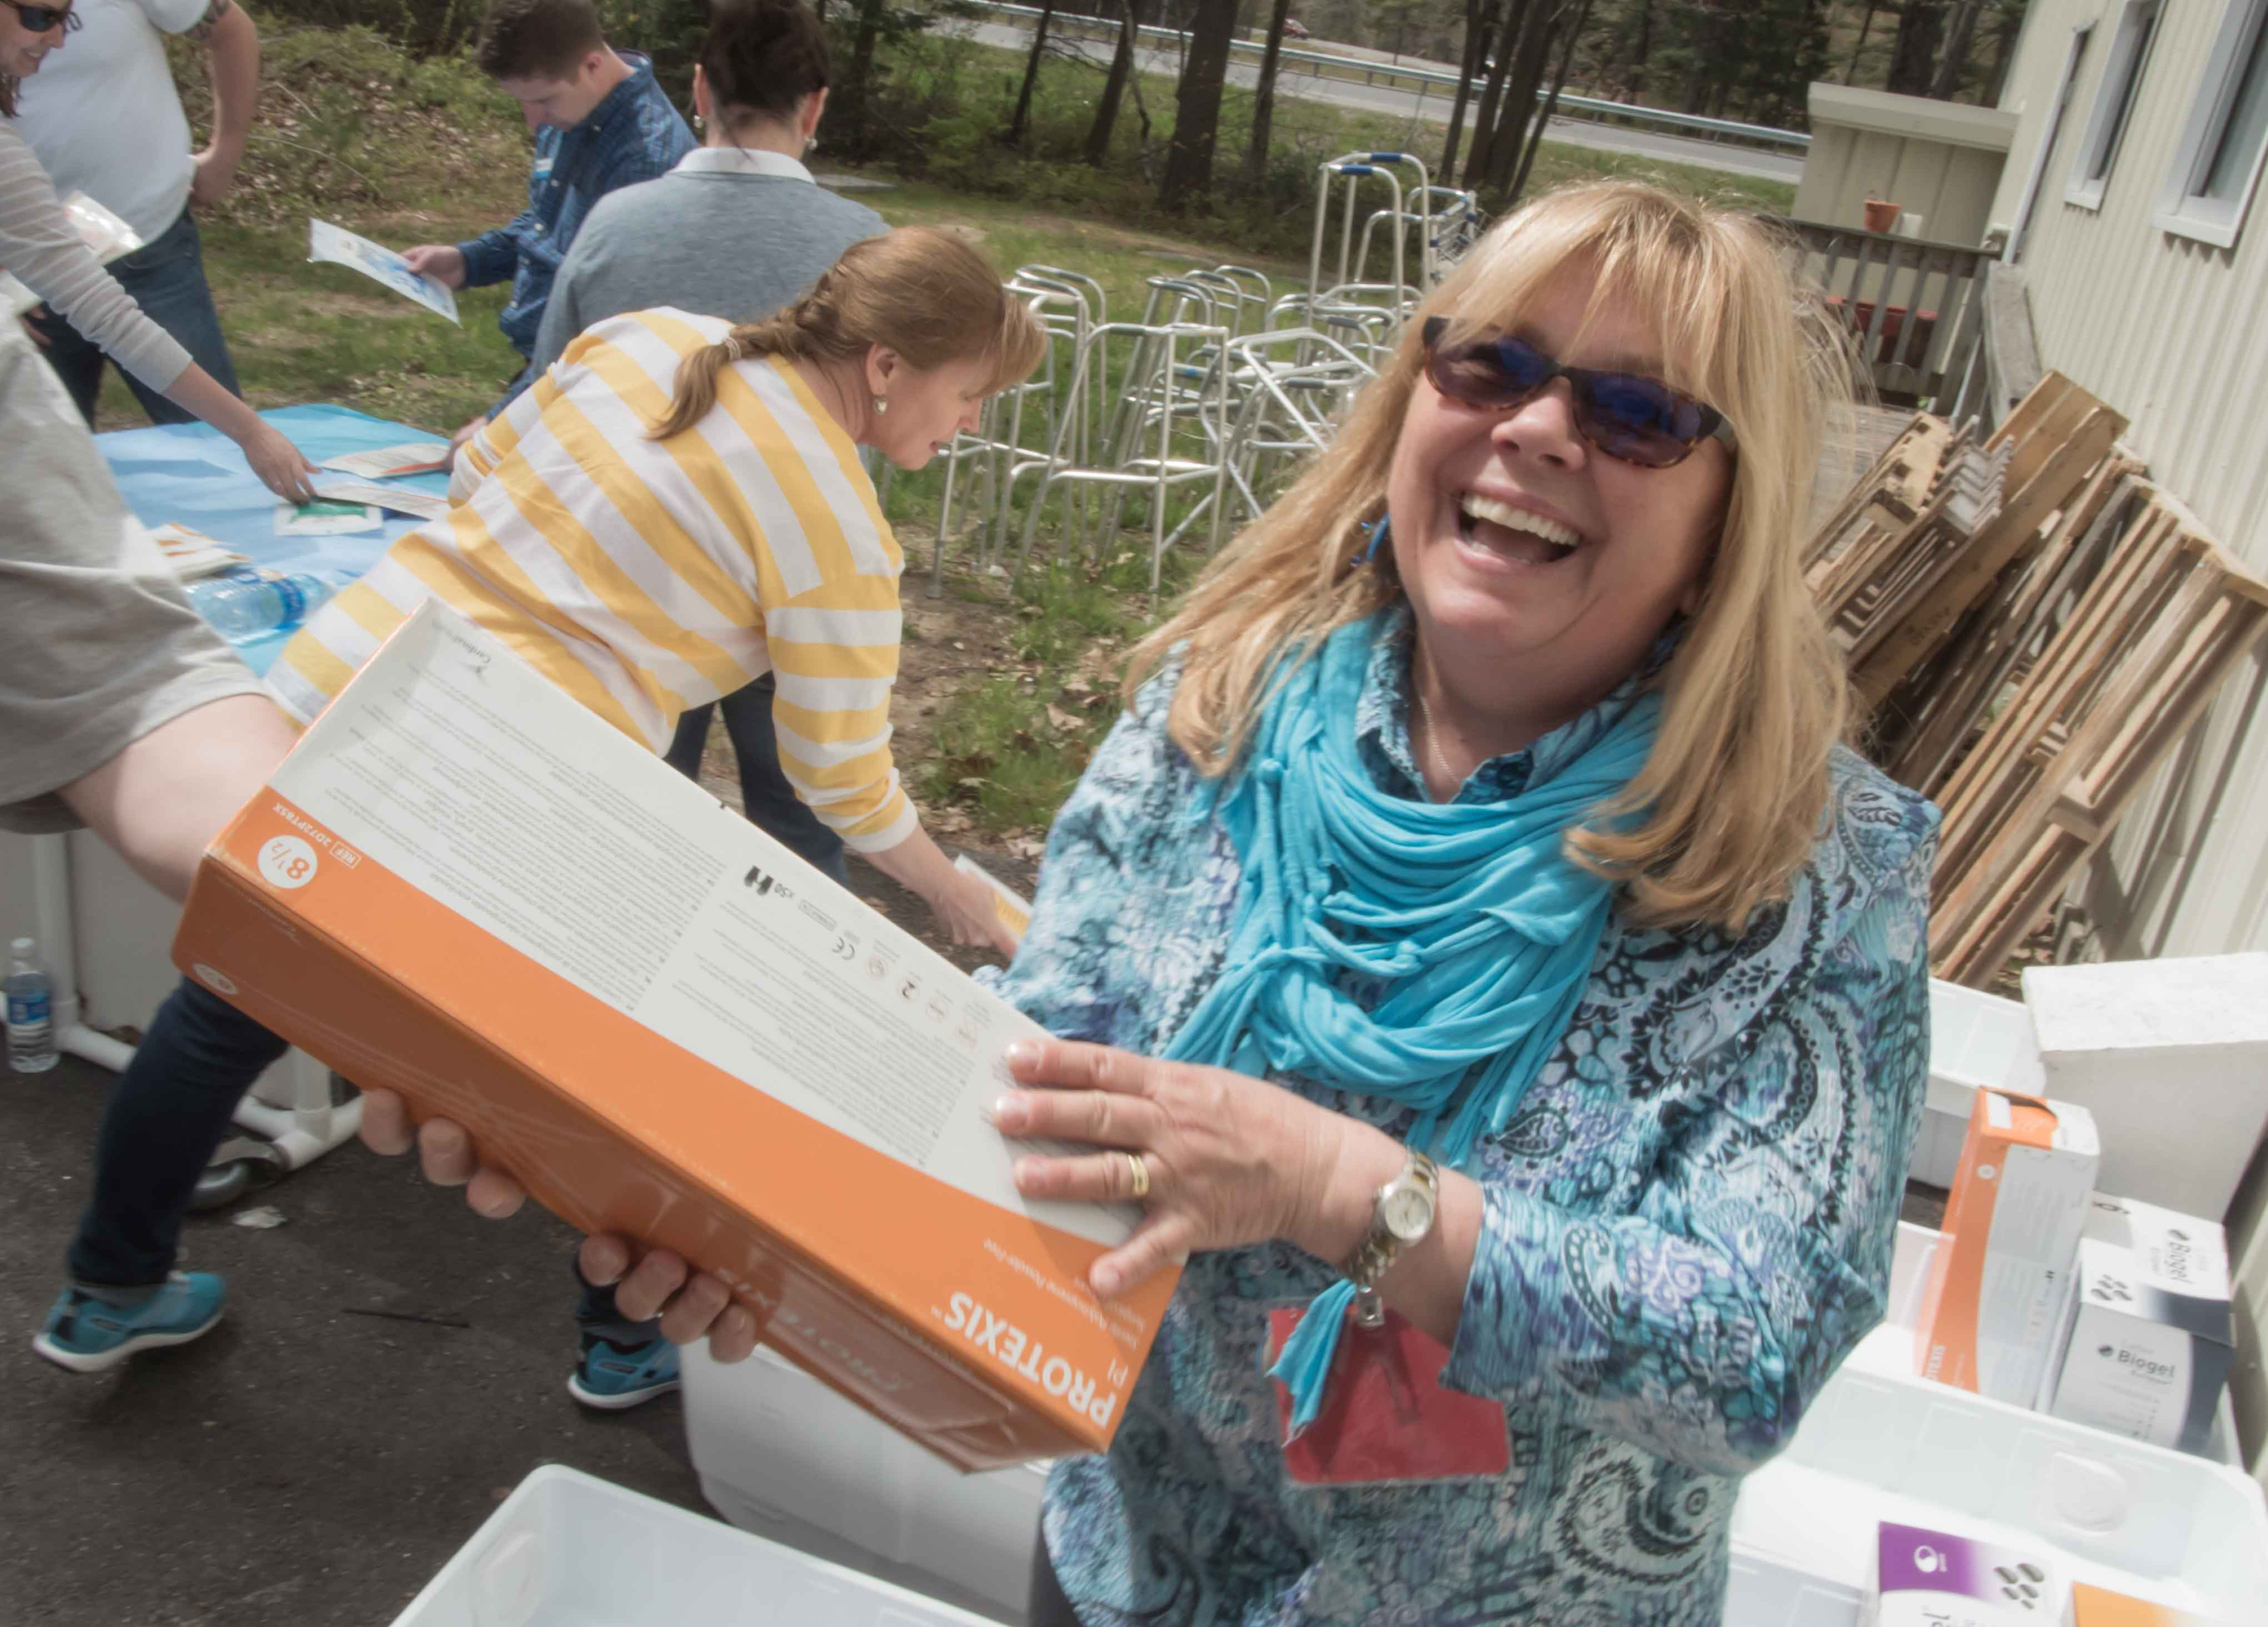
39	19
1626	416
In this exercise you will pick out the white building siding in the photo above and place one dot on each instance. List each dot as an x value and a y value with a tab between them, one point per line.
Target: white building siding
2174	333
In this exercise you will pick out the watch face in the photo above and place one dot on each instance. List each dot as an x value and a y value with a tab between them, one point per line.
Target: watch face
1408	1211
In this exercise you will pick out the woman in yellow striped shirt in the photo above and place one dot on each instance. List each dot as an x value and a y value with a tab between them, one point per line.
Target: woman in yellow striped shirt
678	507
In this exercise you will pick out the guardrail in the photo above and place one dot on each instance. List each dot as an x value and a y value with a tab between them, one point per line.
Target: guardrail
1721	129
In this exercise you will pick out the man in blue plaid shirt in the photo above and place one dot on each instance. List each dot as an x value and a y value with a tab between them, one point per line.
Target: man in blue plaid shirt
600	122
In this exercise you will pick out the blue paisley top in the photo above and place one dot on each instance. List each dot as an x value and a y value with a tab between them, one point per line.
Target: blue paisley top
1689	1223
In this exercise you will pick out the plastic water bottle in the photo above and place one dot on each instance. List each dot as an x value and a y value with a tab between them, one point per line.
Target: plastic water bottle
243	605
31	1017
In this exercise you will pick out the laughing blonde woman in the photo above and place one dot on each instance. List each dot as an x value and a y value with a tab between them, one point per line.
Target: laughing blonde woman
1476	950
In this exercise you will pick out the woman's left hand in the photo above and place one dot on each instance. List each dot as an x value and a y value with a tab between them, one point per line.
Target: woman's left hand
281	466
1232	1160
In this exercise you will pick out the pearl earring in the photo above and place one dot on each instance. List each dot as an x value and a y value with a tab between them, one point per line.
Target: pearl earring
700	124
880	406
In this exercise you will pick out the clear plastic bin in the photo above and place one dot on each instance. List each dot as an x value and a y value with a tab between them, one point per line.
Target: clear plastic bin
568	1550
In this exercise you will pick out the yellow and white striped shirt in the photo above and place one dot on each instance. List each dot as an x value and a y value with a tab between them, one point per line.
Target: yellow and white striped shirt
648	577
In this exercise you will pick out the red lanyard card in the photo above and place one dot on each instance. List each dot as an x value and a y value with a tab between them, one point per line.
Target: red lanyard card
1385	1417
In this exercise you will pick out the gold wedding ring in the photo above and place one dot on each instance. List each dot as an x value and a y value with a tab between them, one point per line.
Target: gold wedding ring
1137	1170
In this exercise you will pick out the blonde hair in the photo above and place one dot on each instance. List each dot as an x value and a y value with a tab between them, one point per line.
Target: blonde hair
920	291
1728	803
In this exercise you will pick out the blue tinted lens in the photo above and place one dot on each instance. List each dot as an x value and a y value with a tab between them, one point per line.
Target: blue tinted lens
1636	403
1524	367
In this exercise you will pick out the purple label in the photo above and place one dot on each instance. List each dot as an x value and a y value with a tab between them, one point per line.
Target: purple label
1916	1559
1914	1556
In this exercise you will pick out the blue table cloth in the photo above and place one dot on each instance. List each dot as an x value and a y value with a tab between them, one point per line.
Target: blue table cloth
193	475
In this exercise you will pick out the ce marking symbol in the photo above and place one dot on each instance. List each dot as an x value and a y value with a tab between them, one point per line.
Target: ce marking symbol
843	949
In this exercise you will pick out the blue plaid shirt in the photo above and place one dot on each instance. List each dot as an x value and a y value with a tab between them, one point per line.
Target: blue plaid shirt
633	134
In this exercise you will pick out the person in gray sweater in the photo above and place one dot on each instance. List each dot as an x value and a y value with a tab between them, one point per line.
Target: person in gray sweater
738	230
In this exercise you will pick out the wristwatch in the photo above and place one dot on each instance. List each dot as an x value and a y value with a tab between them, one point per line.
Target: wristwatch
1403	1216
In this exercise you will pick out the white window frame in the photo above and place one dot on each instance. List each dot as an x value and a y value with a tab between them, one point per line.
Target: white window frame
2183	208
2115	97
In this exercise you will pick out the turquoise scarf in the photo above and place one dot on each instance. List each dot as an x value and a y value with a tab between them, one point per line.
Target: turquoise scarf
1467	919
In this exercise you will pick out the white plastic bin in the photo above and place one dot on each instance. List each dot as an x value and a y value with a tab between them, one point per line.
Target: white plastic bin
1880	1443
1975	1039
781	1454
568	1550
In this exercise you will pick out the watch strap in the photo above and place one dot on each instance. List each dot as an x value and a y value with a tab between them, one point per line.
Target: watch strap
1379	1247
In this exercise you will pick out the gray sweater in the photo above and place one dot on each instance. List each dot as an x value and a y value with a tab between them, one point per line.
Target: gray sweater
38	244
727	233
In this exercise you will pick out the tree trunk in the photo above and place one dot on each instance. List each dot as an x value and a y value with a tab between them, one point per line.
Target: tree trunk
1550	102
1264	99
1478	22
1487	127
1866	27
1958	44
1017	125
1113	89
1914	56
1517	115
1196	105
862	54
2004	52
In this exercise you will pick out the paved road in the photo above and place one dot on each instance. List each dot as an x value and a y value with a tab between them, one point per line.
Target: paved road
1434	106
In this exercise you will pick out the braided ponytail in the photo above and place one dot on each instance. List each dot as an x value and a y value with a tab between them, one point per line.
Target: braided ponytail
920	291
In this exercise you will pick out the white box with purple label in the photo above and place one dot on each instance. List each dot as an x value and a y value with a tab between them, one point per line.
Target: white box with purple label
1926	1578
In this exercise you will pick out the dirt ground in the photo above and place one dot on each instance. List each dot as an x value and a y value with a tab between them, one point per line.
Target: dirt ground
951	644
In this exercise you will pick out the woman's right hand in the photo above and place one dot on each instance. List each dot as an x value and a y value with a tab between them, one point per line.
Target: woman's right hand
967	908
279	464
690	1304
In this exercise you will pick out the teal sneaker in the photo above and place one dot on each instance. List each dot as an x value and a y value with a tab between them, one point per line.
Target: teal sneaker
615	1378
88	1335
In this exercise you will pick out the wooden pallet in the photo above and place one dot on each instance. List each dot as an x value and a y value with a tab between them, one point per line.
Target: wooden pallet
2046	450
2127	674
1922	731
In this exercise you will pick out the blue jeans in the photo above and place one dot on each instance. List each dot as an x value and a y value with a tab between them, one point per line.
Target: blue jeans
170	1110
166	278
769	801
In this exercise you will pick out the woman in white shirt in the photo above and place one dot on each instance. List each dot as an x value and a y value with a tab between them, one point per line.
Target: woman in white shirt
37	245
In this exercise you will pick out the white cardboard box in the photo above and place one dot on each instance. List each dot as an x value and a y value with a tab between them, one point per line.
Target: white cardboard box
1996	1292
2149	1335
2171	1057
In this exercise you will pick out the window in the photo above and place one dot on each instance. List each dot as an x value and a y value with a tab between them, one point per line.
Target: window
2218	163
2114	102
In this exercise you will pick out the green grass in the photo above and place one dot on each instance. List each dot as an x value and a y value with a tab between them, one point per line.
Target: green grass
1009	751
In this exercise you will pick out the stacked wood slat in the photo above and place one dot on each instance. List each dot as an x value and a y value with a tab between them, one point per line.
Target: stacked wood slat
2037	625
2127	674
1927	722
1938	520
